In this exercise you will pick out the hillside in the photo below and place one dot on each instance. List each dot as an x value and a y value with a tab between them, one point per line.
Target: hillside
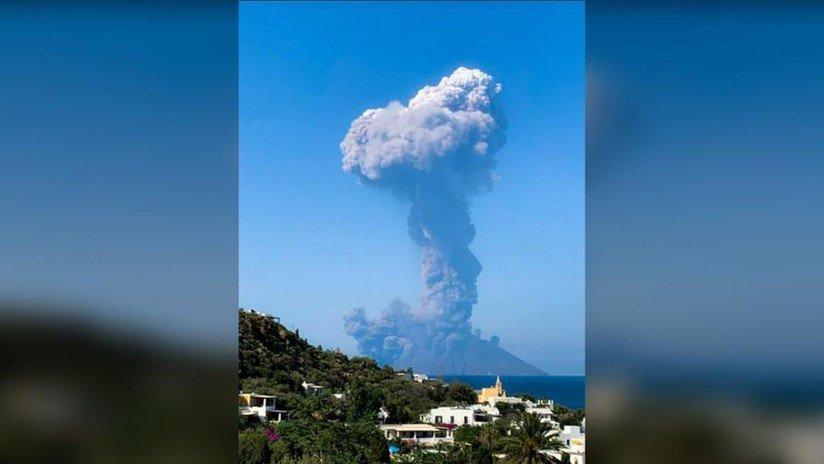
268	350
337	423
275	360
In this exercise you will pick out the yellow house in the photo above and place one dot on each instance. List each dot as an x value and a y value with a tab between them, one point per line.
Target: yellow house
493	392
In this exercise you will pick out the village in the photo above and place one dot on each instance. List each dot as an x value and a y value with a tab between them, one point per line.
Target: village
438	426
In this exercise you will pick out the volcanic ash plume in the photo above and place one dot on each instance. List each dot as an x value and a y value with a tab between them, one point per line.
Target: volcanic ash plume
436	151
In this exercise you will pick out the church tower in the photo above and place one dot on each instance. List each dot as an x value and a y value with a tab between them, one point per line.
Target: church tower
489	395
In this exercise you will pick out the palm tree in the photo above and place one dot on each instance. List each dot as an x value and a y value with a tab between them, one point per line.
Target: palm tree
529	440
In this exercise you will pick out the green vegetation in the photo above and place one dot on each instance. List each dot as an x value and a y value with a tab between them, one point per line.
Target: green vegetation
527	439
521	438
508	410
323	428
568	416
479	444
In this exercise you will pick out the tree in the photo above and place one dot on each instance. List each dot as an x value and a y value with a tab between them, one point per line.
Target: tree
253	447
507	409
489	435
480	455
529	438
329	442
367	442
318	407
363	401
568	416
461	393
479	444
526	397
406	401
466	434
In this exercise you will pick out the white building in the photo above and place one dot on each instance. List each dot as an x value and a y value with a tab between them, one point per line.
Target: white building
420	378
383	415
261	313
577	452
411	376
310	388
574	441
262	406
420	434
544	410
493	400
460	415
570	433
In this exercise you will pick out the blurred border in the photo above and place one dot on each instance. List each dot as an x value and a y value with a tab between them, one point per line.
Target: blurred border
118	193
704	232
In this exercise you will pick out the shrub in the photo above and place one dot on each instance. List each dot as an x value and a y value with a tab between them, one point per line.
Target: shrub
253	447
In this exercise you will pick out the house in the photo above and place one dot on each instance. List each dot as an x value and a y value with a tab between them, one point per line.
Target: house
311	388
260	313
411	376
574	441
419	434
460	415
544	410
383	415
508	400
570	433
262	406
577	452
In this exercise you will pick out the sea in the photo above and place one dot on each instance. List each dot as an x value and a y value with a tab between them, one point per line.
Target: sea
567	390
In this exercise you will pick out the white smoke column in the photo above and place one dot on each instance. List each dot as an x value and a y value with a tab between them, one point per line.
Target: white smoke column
437	151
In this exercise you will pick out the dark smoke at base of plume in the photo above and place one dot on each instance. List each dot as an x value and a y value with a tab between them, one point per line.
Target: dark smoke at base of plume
395	338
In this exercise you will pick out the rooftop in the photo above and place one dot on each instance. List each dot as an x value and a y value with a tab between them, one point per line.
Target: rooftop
410	427
255	395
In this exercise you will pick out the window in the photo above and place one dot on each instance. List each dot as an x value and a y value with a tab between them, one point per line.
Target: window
451	419
438	419
466	420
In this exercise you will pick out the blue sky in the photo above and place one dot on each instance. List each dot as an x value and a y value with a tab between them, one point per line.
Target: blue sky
314	244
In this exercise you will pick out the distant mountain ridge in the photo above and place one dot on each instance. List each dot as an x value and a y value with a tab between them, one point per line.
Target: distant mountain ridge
477	357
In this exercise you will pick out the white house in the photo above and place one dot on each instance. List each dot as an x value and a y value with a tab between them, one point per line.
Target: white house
310	388
261	313
574	441
577	453
262	406
544	410
421	434
460	415
411	376
493	400
420	378
570	433
383	415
